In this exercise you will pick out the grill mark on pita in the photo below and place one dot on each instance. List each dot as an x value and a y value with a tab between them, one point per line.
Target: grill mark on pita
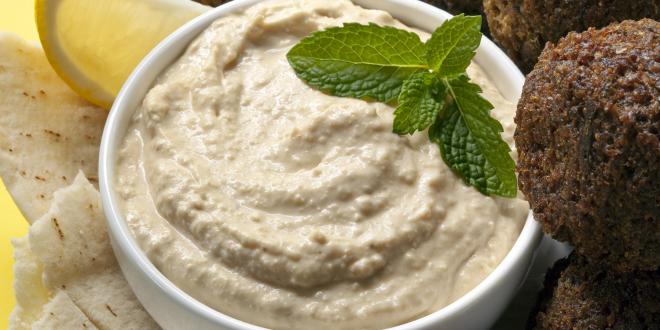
40	178
59	230
82	311
110	309
53	133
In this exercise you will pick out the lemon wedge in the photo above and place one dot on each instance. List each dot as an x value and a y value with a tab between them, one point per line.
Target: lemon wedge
95	45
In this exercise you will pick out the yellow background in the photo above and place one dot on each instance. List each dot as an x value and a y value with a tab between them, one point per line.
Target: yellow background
15	16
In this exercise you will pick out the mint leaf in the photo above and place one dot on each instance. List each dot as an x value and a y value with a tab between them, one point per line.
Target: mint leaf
360	61
422	97
452	46
470	141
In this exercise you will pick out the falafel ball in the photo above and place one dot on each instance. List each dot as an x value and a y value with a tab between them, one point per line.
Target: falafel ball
588	140
579	294
522	27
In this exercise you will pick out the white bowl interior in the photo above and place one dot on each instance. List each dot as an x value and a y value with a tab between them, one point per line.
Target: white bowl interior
498	67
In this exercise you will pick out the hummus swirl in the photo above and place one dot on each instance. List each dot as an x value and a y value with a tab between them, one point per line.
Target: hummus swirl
289	208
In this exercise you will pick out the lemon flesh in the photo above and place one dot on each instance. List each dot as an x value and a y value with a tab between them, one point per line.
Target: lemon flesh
95	45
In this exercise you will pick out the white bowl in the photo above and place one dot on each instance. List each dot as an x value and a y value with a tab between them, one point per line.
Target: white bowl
174	309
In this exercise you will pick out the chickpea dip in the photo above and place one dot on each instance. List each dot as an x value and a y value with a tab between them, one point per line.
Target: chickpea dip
292	209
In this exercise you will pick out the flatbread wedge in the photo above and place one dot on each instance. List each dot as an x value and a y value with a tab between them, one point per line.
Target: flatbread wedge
70	257
66	274
47	132
34	310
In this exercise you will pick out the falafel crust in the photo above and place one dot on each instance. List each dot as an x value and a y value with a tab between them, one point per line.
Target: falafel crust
522	27
583	295
588	140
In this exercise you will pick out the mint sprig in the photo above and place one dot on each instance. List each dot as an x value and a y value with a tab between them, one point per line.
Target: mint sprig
428	83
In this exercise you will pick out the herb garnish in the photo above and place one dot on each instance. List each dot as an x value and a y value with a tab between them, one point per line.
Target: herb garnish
427	82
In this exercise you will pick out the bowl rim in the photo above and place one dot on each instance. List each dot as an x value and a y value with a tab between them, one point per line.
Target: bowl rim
122	238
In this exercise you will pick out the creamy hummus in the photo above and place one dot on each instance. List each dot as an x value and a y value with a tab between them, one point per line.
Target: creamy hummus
288	208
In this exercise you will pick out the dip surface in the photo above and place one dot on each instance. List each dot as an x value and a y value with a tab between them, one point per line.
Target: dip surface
288	208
